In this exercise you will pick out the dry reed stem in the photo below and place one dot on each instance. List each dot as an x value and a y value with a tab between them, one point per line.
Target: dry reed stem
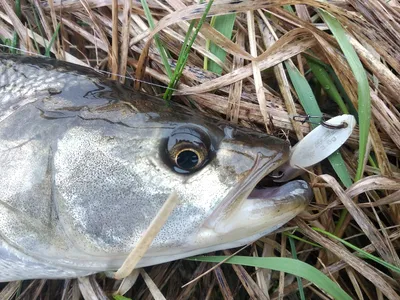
90	289
148	236
46	26
127	282
113	57
264	276
257	72
270	59
21	30
10	290
187	291
74	5
215	266
236	89
374	65
125	38
25	293
223	284
282	274
155	292
57	46
248	283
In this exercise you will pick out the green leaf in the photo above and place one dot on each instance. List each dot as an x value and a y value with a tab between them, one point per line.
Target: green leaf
299	281
287	265
53	38
119	297
38	25
301	239
223	24
364	100
161	49
185	50
15	43
337	83
327	84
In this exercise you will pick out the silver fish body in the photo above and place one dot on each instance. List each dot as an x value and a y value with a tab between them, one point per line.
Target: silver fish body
87	163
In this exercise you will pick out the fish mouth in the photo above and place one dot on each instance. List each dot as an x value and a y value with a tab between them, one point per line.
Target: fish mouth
254	207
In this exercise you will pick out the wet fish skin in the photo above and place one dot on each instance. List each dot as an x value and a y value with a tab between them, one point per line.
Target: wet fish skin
85	167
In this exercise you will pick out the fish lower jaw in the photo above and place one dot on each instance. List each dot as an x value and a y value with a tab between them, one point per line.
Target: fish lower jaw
155	260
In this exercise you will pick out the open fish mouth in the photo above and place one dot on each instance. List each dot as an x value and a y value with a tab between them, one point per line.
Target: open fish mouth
259	187
254	210
267	209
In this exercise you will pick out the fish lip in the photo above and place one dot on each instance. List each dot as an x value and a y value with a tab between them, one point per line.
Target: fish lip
284	193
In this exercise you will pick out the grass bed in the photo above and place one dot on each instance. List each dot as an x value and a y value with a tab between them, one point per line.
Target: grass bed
256	63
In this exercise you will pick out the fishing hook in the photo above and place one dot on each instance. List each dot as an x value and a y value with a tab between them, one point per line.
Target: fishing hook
306	118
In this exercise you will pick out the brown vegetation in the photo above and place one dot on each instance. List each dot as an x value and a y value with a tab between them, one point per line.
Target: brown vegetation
254	90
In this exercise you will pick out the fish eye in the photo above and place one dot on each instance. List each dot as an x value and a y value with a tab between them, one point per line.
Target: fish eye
187	159
188	149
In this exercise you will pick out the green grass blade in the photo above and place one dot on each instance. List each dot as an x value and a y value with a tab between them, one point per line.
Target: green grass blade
161	49
311	107
185	50
223	24
339	166
337	83
304	91
287	265
37	48
342	91
360	251
327	84
301	239
364	100
299	281
289	8
208	43
6	42
39	25
15	43
53	38
119	297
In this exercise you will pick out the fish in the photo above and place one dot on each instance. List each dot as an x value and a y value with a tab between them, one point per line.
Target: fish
86	163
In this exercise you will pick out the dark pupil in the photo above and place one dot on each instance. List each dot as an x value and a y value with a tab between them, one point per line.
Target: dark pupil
187	159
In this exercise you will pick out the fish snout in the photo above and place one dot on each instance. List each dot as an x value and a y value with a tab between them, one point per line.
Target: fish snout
251	154
266	209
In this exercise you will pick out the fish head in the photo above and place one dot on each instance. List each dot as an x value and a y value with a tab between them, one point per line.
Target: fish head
224	164
113	179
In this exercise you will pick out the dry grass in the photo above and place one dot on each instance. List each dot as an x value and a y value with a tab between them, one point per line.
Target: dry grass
255	91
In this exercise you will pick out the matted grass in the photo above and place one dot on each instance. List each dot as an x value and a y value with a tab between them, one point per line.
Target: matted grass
257	63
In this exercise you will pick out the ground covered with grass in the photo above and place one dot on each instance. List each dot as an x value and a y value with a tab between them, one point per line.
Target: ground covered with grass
256	63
